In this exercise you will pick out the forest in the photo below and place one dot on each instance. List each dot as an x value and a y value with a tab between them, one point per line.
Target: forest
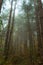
21	32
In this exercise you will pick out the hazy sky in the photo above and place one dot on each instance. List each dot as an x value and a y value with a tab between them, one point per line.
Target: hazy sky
7	6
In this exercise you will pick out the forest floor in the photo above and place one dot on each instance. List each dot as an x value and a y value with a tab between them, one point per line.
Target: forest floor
16	60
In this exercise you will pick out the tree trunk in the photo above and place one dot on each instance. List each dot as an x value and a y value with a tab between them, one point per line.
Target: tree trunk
7	35
41	28
1	1
30	40
39	21
12	28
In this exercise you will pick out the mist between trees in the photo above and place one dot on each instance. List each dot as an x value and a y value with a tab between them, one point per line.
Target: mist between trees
21	32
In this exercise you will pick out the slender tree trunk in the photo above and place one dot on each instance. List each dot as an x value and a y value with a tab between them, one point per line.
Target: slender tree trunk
12	28
39	29
7	35
1	1
30	40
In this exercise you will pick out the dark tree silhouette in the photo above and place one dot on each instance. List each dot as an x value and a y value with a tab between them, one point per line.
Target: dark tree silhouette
1	1
39	20
6	49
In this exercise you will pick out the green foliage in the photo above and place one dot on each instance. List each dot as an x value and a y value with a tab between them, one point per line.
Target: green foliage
0	20
26	7
1	23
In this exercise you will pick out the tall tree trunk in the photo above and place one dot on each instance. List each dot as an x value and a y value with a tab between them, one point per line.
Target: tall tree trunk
30	40
7	35
39	21
41	28
1	1
12	27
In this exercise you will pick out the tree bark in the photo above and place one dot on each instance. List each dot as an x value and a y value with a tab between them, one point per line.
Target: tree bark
7	35
30	40
12	28
1	1
39	24
41	28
